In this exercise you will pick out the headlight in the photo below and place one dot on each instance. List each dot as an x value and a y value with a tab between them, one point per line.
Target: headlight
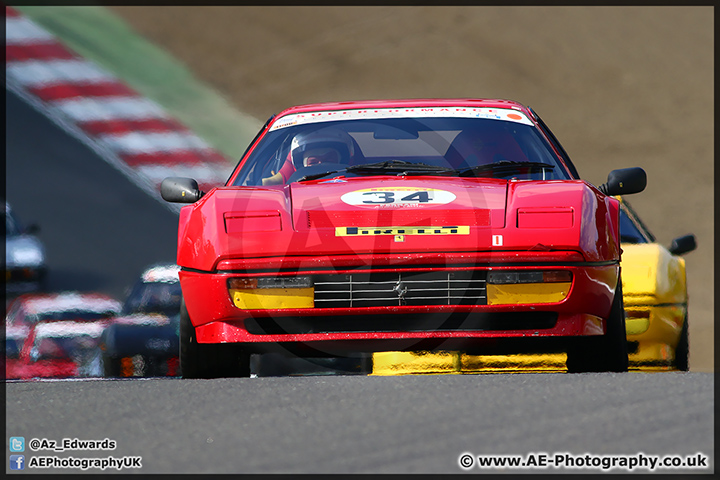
272	292
269	282
505	277
26	256
517	287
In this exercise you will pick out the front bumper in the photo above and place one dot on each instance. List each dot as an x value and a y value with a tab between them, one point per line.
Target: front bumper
20	280
653	332
218	320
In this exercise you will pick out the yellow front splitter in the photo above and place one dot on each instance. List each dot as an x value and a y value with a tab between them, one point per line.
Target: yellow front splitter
423	363
417	363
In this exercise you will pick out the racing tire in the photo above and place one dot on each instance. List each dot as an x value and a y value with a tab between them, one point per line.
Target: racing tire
111	367
682	351
603	353
198	360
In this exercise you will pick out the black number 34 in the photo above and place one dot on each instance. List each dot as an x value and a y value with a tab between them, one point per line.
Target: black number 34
389	197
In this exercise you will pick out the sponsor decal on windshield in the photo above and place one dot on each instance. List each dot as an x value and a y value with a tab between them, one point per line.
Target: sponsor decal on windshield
504	114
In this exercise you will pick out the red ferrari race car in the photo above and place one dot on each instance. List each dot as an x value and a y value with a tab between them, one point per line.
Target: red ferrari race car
59	349
356	227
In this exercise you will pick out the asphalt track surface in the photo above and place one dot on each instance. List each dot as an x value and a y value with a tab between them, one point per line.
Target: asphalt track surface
101	230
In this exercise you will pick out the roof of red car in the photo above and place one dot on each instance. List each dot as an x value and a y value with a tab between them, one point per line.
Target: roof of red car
38	303
69	329
152	319
161	273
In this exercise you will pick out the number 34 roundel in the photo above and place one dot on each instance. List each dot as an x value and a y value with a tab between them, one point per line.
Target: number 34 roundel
398	196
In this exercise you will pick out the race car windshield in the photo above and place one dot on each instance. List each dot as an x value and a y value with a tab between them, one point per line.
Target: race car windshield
12	226
399	146
70	347
154	297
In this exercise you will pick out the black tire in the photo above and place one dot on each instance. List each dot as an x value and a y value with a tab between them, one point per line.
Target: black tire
606	353
682	351
199	360
111	367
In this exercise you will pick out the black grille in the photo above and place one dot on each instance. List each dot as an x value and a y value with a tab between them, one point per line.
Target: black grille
400	288
22	274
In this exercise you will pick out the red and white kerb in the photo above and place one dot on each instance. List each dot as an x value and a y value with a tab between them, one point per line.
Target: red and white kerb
135	129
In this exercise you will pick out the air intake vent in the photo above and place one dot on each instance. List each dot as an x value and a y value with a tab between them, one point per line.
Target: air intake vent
403	288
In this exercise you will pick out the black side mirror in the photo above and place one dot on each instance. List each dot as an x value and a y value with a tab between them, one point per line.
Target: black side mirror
180	190
625	181
682	245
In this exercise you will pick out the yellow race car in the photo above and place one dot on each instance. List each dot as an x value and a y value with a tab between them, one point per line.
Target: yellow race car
656	304
654	294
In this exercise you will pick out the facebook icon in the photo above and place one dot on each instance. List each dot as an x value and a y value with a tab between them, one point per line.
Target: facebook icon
17	462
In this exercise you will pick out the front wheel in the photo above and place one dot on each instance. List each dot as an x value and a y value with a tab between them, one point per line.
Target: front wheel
199	360
111	366
604	353
682	351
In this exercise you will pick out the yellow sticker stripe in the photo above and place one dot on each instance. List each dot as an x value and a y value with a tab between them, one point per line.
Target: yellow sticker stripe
373	231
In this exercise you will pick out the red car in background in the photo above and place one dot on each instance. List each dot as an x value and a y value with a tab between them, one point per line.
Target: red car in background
59	349
355	227
31	310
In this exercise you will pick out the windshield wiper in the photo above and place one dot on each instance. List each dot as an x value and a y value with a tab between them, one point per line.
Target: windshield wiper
380	168
401	166
315	176
504	166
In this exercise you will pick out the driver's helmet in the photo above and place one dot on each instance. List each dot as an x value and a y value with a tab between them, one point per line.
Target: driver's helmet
327	145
